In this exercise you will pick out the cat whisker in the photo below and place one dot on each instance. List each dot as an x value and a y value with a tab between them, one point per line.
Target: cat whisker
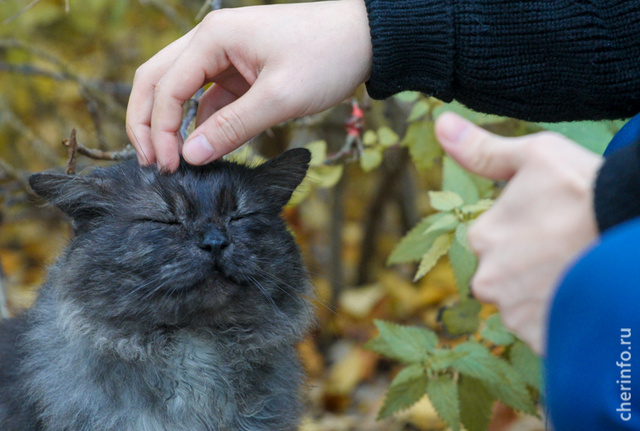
299	300
266	295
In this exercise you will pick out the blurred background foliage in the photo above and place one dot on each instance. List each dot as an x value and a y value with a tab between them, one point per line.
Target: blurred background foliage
68	64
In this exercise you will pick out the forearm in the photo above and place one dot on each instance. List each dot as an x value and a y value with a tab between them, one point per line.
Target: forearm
540	61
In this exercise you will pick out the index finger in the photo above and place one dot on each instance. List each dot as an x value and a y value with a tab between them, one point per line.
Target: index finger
199	62
140	105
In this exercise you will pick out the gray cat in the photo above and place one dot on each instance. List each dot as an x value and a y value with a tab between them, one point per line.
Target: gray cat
176	306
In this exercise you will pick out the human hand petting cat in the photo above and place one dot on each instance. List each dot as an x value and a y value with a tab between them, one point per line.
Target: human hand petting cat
267	64
541	222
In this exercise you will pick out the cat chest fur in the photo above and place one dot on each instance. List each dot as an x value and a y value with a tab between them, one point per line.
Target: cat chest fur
195	383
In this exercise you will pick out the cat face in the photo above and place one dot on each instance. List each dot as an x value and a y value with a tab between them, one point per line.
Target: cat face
203	246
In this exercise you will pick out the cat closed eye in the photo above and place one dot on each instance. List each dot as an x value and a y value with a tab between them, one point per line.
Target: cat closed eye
158	220
236	217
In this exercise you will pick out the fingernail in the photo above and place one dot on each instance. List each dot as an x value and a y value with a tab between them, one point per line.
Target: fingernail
197	150
452	128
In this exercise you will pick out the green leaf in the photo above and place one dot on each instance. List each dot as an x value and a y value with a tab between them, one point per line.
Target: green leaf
387	137
443	394
408	387
442	359
479	363
526	363
462	318
476	404
403	343
485	187
423	146
594	136
496	374
471	115
419	110
457	180
463	262
514	393
369	138
370	158
407	96
445	200
495	332
416	242
447	223
438	249
461	235
477	208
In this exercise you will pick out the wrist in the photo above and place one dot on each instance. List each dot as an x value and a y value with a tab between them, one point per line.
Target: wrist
360	36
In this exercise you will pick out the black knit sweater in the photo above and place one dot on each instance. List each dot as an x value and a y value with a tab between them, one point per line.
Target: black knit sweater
537	60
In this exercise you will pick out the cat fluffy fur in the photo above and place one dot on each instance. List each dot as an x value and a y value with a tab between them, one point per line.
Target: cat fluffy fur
138	328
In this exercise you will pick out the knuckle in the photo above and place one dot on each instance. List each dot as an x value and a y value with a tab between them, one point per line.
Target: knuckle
482	158
477	238
141	73
216	18
482	286
230	126
541	146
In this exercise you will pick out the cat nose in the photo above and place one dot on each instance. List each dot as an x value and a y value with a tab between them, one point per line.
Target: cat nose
214	240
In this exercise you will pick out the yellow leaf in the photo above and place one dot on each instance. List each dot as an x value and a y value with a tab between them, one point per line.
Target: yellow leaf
318	152
387	137
438	249
369	138
370	159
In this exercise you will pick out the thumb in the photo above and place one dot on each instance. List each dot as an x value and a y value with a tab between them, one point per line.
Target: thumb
477	150
231	126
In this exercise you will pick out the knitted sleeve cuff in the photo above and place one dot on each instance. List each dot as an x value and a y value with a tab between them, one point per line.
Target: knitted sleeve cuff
617	188
412	47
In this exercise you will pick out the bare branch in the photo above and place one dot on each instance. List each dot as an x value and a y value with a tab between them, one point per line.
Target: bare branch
20	12
39	147
4	309
94	153
101	91
192	111
171	14
115	88
72	143
353	147
207	7
8	172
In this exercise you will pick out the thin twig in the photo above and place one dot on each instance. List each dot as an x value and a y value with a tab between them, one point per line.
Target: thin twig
94	153
20	12
38	146
192	111
208	6
171	14
9	172
336	264
353	147
4	309
72	143
96	118
395	165
103	92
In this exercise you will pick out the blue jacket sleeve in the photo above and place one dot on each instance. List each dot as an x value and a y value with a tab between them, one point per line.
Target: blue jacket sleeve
593	326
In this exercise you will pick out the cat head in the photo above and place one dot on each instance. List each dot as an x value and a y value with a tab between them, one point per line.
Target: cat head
202	246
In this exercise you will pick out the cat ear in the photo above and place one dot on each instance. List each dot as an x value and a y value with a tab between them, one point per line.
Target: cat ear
284	173
80	196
